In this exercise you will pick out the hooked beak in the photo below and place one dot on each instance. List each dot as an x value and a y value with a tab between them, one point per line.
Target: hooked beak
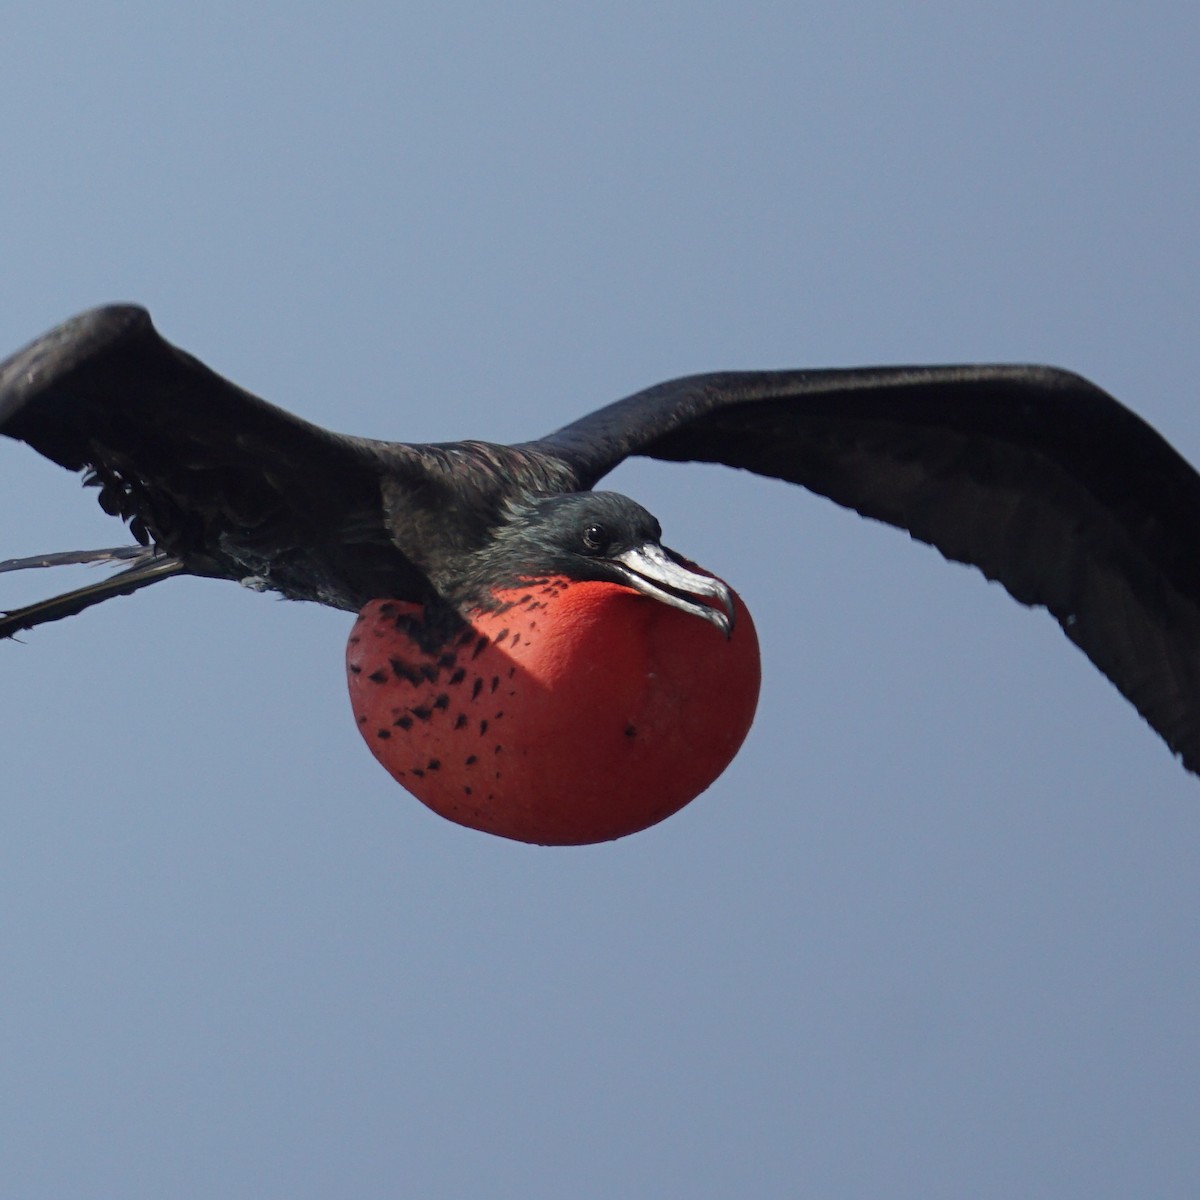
653	572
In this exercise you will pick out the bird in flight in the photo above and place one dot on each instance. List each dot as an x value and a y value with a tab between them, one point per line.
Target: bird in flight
529	658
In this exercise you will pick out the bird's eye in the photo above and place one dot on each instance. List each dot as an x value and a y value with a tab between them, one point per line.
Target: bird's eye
595	537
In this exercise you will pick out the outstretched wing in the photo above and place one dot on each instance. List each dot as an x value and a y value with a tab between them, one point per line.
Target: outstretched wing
1034	475
233	486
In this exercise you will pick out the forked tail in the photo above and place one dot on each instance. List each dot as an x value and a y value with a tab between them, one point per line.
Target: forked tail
148	566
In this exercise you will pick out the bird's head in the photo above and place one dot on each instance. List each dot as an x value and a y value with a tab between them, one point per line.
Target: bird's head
564	707
600	536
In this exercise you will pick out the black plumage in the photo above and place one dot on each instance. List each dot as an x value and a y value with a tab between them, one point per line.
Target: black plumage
1032	474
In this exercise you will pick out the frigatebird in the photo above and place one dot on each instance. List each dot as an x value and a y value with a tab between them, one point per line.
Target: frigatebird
1032	474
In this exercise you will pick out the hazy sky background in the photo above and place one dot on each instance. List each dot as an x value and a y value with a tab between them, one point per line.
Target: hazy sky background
934	933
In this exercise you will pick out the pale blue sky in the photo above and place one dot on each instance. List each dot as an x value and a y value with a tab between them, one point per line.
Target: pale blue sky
934	934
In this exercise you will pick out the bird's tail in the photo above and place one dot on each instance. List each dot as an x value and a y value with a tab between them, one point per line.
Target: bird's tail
147	566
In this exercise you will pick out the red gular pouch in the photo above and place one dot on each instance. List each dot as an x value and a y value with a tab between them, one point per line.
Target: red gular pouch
577	712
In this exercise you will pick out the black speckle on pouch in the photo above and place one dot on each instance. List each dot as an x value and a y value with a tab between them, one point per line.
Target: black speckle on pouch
363	719
482	728
422	713
500	637
458	676
511	672
470	760
516	639
418	773
476	687
466	791
355	669
498	715
448	659
631	731
443	701
434	764
480	647
460	721
405	671
495	682
378	677
404	722
383	734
